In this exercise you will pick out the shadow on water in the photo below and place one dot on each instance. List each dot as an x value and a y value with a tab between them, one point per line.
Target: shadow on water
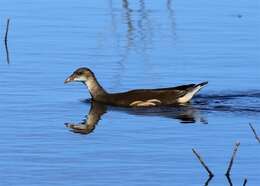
239	102
185	114
88	125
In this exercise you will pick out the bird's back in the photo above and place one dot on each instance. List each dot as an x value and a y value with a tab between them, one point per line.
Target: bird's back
162	96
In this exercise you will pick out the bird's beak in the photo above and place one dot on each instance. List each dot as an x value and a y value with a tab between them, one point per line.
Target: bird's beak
70	79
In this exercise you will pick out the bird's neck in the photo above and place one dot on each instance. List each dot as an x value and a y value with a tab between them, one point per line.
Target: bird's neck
95	89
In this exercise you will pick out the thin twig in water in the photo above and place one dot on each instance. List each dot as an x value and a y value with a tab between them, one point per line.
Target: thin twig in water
256	136
202	163
232	158
6	31
7	54
245	181
5	40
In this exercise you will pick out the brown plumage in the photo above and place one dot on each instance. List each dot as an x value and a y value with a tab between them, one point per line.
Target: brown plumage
135	98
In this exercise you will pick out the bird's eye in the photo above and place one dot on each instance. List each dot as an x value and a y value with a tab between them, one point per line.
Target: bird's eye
79	73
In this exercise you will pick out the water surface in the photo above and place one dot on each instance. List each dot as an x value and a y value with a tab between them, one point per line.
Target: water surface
129	44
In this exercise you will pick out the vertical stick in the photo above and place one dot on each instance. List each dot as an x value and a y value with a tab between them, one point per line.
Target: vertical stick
6	31
6	38
232	158
256	136
245	181
202	163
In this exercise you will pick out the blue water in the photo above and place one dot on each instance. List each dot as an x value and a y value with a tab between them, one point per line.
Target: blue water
129	44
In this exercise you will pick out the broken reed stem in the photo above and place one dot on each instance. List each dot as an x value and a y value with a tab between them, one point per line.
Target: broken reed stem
232	158
203	163
256	136
6	31
245	181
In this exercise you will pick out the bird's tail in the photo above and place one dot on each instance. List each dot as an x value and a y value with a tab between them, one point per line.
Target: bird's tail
191	92
198	87
202	84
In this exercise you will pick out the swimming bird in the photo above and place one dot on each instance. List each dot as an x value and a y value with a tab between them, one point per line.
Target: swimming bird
138	97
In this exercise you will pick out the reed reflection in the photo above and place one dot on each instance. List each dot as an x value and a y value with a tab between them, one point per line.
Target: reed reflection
185	114
229	180
89	124
208	180
129	22
145	28
171	16
142	27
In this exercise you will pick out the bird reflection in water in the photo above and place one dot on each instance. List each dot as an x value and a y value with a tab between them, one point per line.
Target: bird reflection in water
184	113
88	125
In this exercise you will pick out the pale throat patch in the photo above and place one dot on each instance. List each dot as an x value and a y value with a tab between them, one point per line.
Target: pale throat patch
90	82
92	85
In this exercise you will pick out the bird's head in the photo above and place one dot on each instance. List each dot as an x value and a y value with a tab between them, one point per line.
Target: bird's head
80	75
